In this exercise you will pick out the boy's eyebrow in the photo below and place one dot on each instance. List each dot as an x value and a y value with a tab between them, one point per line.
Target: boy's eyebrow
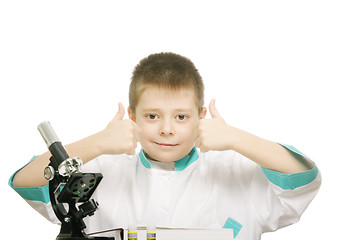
183	110
150	109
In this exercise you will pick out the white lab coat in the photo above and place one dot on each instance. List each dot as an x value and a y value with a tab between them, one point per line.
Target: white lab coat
216	187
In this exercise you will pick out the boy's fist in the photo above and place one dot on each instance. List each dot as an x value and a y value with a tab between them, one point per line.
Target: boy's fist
213	134
121	135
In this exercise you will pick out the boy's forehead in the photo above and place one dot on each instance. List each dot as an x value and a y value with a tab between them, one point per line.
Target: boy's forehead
159	98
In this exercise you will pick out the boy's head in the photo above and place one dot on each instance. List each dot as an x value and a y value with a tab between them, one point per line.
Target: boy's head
169	71
166	102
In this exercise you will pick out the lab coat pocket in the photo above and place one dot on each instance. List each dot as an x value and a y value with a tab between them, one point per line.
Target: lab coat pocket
234	225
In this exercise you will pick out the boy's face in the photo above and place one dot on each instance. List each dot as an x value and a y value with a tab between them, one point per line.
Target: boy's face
168	121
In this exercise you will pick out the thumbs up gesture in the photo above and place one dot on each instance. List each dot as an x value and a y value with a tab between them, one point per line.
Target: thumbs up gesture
120	136
214	134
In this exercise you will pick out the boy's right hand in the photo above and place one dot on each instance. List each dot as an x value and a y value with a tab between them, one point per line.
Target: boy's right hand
120	136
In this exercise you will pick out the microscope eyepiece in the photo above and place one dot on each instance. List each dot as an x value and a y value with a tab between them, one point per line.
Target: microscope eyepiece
53	143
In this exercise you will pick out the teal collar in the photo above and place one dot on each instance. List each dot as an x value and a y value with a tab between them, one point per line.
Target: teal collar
179	164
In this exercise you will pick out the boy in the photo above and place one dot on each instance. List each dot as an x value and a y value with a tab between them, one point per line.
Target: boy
237	180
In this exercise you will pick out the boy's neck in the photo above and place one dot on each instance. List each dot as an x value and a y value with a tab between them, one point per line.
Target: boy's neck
152	159
178	165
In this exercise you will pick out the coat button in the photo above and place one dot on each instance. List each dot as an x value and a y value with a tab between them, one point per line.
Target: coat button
166	178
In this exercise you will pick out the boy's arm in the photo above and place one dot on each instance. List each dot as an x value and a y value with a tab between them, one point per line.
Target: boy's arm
269	154
120	136
215	134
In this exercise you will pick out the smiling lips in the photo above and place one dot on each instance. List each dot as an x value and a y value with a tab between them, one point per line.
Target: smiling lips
166	144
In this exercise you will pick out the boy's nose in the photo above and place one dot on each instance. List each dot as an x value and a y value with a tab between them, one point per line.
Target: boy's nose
167	129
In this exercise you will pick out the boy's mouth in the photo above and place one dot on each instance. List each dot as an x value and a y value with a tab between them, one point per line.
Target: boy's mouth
166	144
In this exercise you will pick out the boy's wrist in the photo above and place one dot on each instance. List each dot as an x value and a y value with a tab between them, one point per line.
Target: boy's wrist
235	139
97	144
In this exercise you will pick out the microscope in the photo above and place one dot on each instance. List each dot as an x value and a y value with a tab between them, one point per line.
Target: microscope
68	185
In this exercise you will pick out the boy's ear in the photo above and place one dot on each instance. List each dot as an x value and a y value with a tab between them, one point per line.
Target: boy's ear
203	113
131	115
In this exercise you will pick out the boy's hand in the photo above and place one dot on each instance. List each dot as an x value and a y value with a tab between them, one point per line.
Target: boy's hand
214	134
120	136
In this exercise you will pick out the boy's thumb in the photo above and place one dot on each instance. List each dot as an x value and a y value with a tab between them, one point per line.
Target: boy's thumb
120	113
213	111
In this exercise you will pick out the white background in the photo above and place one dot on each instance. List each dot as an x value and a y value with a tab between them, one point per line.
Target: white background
284	70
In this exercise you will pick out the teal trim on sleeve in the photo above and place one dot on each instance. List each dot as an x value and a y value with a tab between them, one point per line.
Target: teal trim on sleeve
291	181
234	225
40	194
179	165
293	149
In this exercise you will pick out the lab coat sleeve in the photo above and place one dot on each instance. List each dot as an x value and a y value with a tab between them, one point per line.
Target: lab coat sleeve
38	197
281	199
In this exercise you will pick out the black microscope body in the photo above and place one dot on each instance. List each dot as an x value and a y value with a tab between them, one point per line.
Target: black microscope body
68	185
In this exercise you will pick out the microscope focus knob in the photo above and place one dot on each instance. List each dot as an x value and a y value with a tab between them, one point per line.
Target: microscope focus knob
49	173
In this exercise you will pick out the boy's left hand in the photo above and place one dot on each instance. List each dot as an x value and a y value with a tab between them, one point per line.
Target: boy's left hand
214	134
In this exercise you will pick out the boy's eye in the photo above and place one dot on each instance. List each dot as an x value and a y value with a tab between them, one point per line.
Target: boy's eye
181	117
152	116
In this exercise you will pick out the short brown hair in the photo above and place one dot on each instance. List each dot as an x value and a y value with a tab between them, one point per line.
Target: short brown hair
165	70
